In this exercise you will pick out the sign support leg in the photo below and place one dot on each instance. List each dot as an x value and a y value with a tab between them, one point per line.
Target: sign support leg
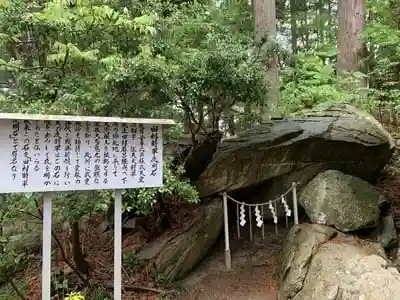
228	261
117	246
46	247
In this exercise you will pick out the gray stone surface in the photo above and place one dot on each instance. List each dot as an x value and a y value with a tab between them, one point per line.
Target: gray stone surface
386	234
343	201
339	268
301	244
296	149
175	254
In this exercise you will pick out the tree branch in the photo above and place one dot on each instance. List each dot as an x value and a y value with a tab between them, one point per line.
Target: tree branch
17	290
192	117
27	68
62	250
66	260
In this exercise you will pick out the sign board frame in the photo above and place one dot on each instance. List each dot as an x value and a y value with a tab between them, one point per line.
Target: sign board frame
47	196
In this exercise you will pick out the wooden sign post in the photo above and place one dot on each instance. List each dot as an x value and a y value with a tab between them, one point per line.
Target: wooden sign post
43	153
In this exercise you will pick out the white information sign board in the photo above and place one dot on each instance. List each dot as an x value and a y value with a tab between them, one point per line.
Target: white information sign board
42	153
48	155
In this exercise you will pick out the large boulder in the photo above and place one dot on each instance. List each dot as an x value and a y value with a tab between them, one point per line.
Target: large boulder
339	268
343	201
297	149
176	253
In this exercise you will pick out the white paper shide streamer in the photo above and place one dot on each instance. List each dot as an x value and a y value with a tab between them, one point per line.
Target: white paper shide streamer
288	212
242	215
273	212
259	220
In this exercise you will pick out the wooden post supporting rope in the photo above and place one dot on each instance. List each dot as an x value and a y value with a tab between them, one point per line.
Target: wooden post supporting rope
228	260
250	225
295	211
263	225
237	220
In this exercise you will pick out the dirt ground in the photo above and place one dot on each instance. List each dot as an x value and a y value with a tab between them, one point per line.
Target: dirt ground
253	269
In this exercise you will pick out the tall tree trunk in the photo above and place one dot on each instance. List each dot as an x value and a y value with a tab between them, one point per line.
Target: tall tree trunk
265	30
293	25
349	38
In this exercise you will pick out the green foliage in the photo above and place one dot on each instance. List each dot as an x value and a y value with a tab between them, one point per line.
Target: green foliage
79	73
383	35
132	262
175	188
75	296
18	240
311	78
59	281
107	58
81	58
99	293
311	82
11	263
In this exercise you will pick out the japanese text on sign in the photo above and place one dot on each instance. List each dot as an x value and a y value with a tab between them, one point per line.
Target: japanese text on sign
39	156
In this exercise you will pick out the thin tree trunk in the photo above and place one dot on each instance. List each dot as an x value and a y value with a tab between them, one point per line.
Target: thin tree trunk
293	25
330	23
307	31
229	120
371	61
321	25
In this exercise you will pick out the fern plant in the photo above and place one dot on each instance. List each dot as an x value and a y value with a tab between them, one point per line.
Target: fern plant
75	296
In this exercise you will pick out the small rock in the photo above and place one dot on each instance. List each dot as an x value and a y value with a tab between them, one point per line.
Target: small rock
386	233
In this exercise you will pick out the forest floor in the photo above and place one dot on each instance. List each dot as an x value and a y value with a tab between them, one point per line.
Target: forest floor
253	274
